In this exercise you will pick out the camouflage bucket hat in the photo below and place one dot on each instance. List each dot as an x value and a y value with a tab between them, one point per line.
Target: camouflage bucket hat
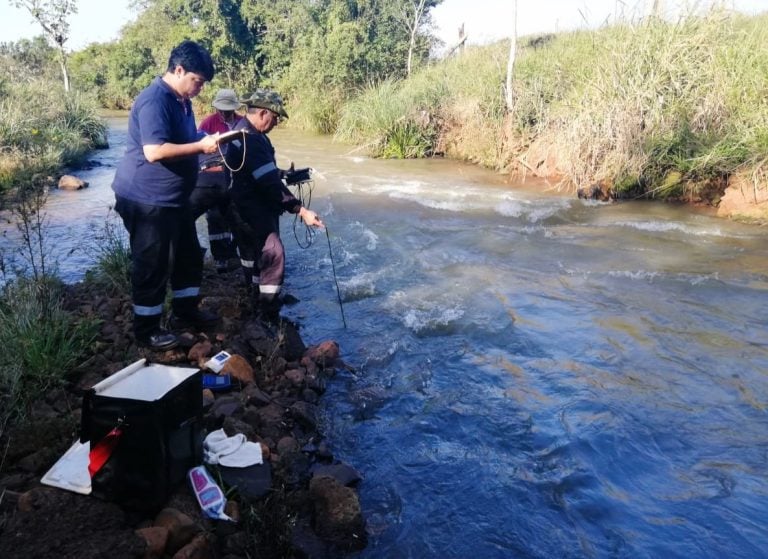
266	99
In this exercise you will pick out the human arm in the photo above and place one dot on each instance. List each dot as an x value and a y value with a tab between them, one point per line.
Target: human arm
168	150
310	218
168	133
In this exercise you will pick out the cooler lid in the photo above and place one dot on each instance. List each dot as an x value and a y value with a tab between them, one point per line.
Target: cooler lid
140	381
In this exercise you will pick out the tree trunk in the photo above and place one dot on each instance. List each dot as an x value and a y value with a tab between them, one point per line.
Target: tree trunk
418	11
510	97
63	66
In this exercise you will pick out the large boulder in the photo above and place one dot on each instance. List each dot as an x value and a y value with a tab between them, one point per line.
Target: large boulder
338	517
71	182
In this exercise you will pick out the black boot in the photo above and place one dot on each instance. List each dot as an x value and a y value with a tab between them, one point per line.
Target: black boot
149	334
186	314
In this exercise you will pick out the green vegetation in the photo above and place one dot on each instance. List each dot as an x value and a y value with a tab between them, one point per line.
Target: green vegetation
653	108
41	343
112	256
42	128
316	53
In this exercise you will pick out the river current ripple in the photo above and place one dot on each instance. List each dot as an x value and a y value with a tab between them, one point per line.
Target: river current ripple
535	375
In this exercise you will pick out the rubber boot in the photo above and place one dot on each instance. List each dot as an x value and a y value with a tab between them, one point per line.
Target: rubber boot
148	333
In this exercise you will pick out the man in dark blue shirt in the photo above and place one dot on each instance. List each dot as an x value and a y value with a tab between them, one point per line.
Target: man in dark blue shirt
152	185
259	197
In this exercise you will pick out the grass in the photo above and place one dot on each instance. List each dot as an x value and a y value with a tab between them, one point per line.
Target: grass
41	343
650	107
43	129
112	255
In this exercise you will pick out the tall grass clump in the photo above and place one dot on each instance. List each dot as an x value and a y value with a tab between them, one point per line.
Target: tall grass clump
655	108
112	256
43	129
418	116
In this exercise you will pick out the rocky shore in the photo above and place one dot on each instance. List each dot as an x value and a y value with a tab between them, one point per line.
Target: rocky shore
306	507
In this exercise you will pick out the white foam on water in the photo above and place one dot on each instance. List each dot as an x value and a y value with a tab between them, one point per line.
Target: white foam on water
656	226
361	286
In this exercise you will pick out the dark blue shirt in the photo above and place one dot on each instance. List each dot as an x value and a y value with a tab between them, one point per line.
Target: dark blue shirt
157	117
257	181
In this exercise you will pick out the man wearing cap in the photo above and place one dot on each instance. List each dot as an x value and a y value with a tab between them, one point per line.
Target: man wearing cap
210	195
152	186
259	197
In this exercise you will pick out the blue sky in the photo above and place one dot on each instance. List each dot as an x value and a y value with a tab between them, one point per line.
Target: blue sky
484	20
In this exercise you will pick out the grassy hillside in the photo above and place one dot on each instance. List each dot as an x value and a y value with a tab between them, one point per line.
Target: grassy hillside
650	108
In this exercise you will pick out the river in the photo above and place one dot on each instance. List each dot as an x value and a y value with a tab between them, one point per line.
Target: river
535	375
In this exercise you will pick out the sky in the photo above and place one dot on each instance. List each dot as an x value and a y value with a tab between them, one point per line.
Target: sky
484	20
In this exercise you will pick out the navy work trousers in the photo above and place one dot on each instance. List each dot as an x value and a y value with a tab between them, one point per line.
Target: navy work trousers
164	246
211	197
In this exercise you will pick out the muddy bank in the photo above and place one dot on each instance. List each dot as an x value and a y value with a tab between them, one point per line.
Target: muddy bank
306	507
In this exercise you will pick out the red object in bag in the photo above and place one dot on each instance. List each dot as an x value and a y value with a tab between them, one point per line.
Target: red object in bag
103	450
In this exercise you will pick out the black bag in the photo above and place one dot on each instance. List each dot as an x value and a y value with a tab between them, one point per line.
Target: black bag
159	441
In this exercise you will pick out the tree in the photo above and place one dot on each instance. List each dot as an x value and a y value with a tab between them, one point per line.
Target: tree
52	16
414	15
509	93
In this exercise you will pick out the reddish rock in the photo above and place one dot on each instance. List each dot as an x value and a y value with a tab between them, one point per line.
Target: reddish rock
296	376
324	353
181	528
239	369
200	352
198	548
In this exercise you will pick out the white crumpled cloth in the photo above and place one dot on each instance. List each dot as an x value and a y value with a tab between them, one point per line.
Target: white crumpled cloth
234	452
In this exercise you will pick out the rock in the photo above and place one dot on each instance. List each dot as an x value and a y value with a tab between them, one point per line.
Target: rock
208	398
598	191
181	528
71	182
38	462
306	543
338	517
305	413
226	406
295	376
239	369
252	482
309	395
234	426
198	548
256	396
286	445
200	352
187	340
325	353
343	473
156	538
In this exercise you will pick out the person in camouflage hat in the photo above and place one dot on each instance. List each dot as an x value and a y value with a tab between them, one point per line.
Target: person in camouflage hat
258	198
266	99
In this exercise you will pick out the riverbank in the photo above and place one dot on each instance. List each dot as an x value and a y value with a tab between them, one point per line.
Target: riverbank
308	509
644	109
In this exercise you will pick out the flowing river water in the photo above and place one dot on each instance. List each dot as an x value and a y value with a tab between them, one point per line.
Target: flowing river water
536	376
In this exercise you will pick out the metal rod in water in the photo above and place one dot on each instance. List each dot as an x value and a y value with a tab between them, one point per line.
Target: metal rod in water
336	281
